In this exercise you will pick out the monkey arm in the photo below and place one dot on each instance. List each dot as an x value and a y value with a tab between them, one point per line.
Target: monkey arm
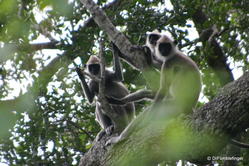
165	77
87	91
132	97
118	75
151	58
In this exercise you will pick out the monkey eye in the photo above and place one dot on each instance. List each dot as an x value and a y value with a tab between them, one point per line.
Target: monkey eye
153	38
94	69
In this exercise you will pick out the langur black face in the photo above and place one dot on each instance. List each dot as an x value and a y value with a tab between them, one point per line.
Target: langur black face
94	69
153	38
165	49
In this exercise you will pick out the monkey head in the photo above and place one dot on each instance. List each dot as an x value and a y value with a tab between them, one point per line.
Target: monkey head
152	38
165	47
93	65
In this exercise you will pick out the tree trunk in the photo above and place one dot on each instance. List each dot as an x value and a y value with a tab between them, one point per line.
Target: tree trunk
170	136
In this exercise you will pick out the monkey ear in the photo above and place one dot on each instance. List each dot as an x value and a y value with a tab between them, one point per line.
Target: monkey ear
159	30
175	42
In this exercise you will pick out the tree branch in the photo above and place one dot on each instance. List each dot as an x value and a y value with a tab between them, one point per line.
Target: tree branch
46	45
170	137
9	48
19	103
133	55
51	68
216	60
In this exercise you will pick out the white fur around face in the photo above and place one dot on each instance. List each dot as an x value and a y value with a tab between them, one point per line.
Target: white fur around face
165	37
163	58
152	47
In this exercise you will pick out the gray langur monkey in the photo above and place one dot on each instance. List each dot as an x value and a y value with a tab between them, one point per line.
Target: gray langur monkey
149	48
151	39
180	79
113	88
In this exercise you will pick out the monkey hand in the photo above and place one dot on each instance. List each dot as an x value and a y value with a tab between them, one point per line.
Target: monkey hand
113	140
115	101
109	130
136	47
100	135
79	72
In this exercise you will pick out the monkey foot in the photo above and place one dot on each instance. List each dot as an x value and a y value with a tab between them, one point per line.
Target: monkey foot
109	130
100	135
113	140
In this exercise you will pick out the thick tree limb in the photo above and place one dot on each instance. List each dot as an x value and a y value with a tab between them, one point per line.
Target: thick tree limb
132	54
46	45
10	48
216	59
101	96
113	5
208	130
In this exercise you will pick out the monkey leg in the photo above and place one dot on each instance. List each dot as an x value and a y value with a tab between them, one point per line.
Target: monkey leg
107	131
132	97
104	121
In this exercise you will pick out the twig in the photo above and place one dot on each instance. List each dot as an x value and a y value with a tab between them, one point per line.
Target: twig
102	89
134	56
81	129
207	35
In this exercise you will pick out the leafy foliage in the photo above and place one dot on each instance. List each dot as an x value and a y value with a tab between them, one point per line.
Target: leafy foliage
60	125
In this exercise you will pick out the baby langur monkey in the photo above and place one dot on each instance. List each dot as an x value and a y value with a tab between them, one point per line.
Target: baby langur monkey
113	88
180	79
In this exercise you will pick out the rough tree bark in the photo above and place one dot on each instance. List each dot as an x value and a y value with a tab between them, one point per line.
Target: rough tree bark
173	137
166	134
132	54
216	59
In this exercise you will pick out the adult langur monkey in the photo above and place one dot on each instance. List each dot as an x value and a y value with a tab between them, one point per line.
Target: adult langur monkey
113	88
152	60
180	76
149	48
180	79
